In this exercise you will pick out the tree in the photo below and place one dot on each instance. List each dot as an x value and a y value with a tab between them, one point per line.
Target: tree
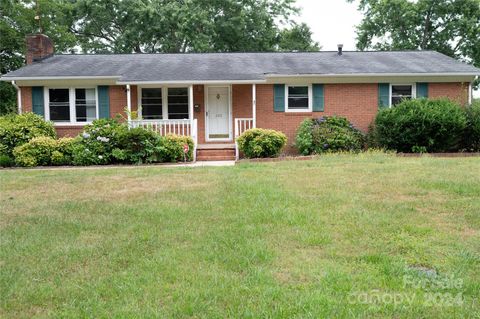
17	19
297	38
450	27
186	26
118	26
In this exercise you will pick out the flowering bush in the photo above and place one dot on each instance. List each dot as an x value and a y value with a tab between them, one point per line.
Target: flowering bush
328	134
261	143
97	142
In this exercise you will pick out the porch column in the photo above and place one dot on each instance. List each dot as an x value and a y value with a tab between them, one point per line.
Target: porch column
190	103
254	105
129	104
470	93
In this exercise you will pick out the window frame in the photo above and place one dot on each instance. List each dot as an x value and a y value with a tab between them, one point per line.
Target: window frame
310	99
414	91
164	89
71	102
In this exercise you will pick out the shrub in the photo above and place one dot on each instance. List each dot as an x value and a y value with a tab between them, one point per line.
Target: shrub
98	140
37	152
16	130
138	145
6	161
472	132
261	143
427	125
171	148
328	134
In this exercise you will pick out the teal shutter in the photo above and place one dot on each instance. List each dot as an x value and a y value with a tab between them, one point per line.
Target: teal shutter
279	97
318	98
103	102
422	90
38	102
383	95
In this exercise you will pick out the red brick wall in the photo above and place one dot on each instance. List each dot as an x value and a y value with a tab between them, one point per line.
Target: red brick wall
26	99
199	113
68	131
118	99
357	102
454	91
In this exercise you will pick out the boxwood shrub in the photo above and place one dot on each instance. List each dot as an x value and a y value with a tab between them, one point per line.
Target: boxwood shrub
258	142
171	148
421	126
328	134
43	151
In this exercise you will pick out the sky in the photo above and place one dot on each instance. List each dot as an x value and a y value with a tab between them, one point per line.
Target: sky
333	22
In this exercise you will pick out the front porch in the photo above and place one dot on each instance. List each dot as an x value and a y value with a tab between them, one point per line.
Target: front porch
213	115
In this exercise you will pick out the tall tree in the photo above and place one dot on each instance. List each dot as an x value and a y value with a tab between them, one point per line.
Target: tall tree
297	38
17	19
118	26
451	27
184	26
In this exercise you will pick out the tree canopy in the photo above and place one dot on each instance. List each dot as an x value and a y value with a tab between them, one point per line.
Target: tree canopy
450	27
134	26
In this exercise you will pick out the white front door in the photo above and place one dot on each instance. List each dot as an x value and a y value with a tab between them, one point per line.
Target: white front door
218	113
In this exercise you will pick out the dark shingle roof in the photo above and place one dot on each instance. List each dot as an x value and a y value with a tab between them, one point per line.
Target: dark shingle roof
241	66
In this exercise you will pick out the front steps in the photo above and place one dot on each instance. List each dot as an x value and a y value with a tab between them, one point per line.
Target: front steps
216	152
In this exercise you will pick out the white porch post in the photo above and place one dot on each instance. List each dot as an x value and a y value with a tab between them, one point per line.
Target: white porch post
129	104
254	105
19	97
190	103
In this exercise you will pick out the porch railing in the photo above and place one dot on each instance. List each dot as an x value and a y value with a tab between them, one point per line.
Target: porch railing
241	125
185	127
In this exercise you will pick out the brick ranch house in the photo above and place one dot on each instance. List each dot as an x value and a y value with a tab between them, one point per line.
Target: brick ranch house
214	97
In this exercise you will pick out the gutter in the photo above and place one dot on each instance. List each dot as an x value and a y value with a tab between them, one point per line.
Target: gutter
272	75
33	78
19	97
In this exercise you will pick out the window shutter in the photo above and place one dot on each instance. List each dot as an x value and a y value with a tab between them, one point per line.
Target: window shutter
383	95
318	98
103	102
38	103
422	90
279	97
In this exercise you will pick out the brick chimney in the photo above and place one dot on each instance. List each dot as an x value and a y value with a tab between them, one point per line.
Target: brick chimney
39	47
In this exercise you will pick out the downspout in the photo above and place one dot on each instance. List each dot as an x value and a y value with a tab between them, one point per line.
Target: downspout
19	97
470	93
129	105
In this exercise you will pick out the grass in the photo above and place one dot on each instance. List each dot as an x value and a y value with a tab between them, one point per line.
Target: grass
322	238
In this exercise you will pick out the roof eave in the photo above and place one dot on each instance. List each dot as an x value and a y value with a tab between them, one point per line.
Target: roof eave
39	78
272	75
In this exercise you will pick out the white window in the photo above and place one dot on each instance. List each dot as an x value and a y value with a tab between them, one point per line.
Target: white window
59	105
400	92
298	98
151	103
71	105
163	103
85	105
178	103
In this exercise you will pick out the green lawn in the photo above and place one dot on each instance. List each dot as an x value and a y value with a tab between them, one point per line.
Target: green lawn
321	238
